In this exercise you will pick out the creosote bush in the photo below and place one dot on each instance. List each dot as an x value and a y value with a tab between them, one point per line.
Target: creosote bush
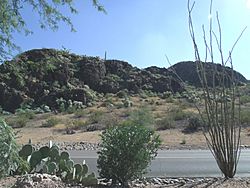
126	152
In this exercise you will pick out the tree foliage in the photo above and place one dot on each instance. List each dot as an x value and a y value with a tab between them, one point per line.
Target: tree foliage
10	162
50	15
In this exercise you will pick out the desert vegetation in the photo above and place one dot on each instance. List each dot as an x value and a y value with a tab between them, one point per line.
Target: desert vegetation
48	94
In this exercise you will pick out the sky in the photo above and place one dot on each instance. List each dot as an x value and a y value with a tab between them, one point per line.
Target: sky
144	32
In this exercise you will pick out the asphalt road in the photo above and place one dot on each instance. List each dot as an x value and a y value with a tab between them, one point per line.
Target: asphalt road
177	163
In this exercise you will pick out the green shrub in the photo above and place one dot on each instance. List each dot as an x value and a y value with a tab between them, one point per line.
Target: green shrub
21	119
122	94
71	109
78	124
169	99
80	113
166	95
109	120
17	122
127	103
245	99
9	158
28	114
126	152
142	116
178	114
119	105
165	123
51	122
108	102
142	94
245	117
95	117
194	124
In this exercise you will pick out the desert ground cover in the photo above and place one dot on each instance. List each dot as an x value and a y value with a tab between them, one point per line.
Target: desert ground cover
169	117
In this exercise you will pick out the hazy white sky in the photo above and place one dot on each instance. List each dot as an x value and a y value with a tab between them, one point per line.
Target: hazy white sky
142	32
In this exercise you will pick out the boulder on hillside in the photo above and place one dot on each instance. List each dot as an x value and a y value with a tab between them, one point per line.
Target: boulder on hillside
91	72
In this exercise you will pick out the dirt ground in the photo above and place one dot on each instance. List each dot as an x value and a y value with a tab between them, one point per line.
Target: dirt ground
172	138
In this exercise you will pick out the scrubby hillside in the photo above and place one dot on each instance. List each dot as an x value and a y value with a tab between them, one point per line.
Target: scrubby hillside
43	77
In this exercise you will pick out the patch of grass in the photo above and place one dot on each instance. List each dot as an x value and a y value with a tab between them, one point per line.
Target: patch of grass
178	114
80	113
245	117
169	99
78	124
28	114
51	122
166	123
21	119
142	116
109	120
245	99
17	122
71	110
95	117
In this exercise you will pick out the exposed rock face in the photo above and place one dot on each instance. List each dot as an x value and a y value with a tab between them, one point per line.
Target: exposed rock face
91	72
44	75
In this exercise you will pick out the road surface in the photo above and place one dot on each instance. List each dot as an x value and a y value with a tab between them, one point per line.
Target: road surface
176	163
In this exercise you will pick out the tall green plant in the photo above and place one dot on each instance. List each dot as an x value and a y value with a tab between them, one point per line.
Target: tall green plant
126	152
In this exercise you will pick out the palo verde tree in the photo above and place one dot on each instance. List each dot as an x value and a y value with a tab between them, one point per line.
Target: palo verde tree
221	98
49	13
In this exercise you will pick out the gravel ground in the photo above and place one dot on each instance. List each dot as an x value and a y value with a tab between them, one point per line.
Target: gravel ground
94	146
71	145
48	181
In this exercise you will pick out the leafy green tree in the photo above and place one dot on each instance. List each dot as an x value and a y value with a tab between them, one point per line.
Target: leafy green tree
12	20
126	151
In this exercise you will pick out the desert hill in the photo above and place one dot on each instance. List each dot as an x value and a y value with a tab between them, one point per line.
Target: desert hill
43	76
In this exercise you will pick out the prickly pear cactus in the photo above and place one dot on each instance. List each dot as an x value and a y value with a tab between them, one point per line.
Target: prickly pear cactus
51	161
64	155
44	151
52	168
26	151
35	159
54	154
